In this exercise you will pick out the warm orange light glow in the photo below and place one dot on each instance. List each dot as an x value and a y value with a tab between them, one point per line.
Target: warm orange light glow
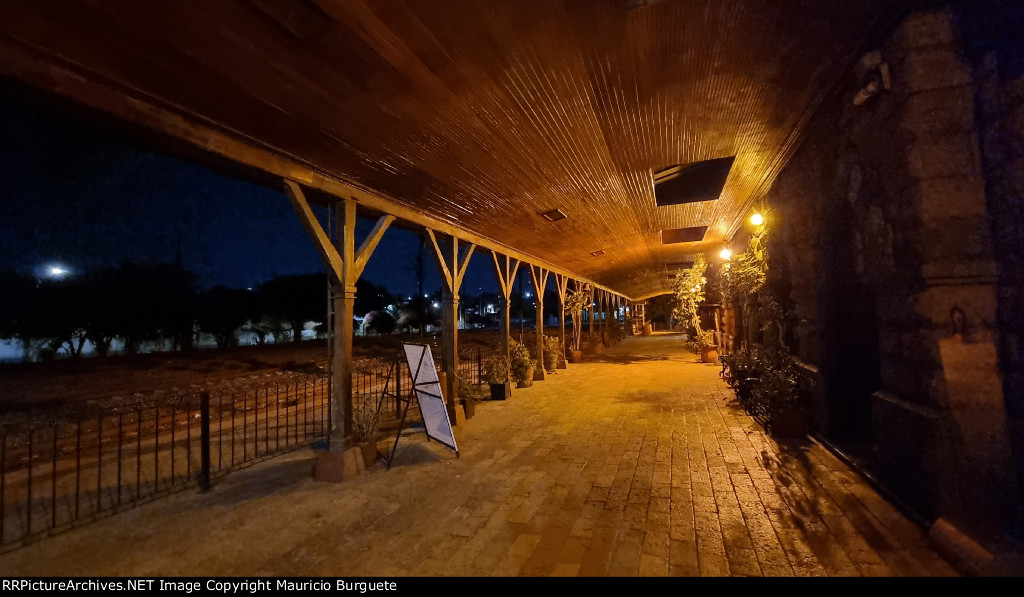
757	219
726	254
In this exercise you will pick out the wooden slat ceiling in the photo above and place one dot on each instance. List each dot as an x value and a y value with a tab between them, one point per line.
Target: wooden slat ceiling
487	113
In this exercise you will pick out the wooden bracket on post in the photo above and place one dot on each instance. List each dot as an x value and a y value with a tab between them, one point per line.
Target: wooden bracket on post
452	267
539	277
562	286
506	275
345	264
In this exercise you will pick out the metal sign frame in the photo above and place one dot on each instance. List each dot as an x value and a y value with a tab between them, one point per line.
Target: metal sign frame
424	364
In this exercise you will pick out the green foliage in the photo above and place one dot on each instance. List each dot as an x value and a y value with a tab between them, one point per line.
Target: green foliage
520	362
703	340
747	273
615	329
552	352
764	376
222	311
575	302
379	322
366	420
688	287
497	370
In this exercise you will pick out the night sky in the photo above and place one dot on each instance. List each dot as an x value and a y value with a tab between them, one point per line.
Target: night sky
78	195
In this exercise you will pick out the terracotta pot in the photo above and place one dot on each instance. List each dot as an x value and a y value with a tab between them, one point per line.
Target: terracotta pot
369	453
709	354
577	356
528	381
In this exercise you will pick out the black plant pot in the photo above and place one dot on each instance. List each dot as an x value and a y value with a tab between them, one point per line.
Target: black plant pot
501	391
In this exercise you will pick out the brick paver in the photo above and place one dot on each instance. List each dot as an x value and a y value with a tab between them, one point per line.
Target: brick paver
634	463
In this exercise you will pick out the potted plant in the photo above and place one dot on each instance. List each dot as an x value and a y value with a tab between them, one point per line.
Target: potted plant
688	287
497	376
706	346
575	302
366	420
615	330
521	364
552	352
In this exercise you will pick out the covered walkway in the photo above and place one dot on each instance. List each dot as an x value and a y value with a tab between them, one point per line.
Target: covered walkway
635	463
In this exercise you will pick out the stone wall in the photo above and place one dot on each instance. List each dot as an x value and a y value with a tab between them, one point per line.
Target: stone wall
1000	101
886	226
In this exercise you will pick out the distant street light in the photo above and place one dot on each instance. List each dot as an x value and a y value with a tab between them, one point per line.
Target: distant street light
57	271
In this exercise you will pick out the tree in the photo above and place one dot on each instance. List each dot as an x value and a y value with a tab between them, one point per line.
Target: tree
575	301
380	322
293	300
153	302
660	308
100	322
222	311
15	303
688	287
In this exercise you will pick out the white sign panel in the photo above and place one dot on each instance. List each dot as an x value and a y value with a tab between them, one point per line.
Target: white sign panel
428	394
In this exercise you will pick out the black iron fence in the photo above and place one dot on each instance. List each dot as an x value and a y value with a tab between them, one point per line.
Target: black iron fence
59	470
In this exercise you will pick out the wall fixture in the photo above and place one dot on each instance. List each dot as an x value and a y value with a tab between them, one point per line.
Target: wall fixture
873	75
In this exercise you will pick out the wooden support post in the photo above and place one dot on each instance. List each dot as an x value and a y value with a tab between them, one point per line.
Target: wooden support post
539	277
451	265
344	264
590	316
562	284
505	269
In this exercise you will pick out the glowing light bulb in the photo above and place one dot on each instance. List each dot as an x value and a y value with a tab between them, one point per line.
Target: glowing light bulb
757	219
725	254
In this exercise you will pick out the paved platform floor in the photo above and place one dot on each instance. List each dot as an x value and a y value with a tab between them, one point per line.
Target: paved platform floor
634	463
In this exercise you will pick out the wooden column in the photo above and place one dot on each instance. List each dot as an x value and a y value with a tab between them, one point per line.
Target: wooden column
562	284
539	277
451	264
344	264
590	316
505	269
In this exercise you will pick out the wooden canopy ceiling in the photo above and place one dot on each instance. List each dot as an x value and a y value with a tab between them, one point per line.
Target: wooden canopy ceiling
481	114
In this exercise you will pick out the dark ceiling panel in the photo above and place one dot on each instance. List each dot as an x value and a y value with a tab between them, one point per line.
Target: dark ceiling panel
691	234
690	183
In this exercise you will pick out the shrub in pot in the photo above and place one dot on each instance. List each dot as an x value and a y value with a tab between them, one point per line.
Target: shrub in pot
366	420
497	375
552	352
521	364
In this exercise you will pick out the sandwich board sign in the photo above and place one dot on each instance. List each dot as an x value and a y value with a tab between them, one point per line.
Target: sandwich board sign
426	387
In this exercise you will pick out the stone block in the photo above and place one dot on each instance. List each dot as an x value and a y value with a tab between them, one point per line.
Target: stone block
955	154
956	239
936	111
922	29
930	68
978	302
953	270
963	552
942	198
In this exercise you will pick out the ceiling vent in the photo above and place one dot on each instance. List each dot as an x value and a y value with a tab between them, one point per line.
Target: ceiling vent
679	265
554	215
597	252
690	183
683	235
